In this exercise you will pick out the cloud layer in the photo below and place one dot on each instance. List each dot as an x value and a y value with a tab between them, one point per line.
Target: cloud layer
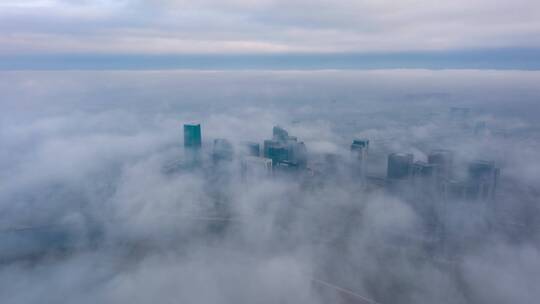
268	26
82	163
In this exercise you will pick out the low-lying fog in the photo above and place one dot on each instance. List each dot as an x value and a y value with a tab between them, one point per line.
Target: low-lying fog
89	215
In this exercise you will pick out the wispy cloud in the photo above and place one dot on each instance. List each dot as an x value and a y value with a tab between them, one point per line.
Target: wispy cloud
164	27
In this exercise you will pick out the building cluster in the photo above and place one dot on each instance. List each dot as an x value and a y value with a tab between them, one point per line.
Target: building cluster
284	153
438	175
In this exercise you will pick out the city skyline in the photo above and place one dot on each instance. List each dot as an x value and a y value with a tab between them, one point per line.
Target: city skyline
269	151
96	174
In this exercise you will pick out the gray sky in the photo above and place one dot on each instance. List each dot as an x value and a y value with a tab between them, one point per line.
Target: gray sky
264	26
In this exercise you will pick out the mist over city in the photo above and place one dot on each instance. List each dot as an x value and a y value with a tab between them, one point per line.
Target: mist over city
269	152
102	200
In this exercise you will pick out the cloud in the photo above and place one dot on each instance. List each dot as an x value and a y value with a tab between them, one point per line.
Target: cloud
83	165
164	27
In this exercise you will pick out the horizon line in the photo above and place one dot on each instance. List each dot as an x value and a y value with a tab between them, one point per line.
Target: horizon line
477	59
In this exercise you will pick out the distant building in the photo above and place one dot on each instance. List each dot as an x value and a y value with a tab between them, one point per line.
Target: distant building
252	148
275	150
286	167
360	145
423	176
222	151
192	144
480	128
256	167
359	153
423	169
399	166
192	136
460	111
285	148
298	154
460	190
279	134
459	114
480	185
483	176
331	163
442	162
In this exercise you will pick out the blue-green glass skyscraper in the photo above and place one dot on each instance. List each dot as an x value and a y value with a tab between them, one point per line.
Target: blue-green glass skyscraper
192	136
192	144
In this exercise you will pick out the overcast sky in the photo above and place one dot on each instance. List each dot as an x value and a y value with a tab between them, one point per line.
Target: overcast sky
264	26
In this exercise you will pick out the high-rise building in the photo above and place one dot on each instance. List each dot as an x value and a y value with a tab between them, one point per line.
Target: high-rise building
223	150
277	153
331	164
285	148
481	170
422	169
423	178
279	134
480	184
192	136
399	165
192	144
255	167
359	152
286	167
483	176
360	145
442	161
461	190
252	148
460	116
298	154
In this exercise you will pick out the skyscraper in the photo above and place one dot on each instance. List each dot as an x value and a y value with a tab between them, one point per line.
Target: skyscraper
223	150
252	148
276	152
421	169
423	181
192	136
360	145
480	185
285	148
483	176
298	154
192	144
279	134
399	165
442	161
359	152
255	168
460	116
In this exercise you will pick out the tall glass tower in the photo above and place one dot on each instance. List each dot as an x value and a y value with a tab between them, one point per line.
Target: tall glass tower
359	152
192	136
192	144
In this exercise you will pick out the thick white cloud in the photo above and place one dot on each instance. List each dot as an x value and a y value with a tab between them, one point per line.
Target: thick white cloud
86	147
169	26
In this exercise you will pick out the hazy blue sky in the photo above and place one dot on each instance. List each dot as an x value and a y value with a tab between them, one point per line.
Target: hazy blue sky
410	33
